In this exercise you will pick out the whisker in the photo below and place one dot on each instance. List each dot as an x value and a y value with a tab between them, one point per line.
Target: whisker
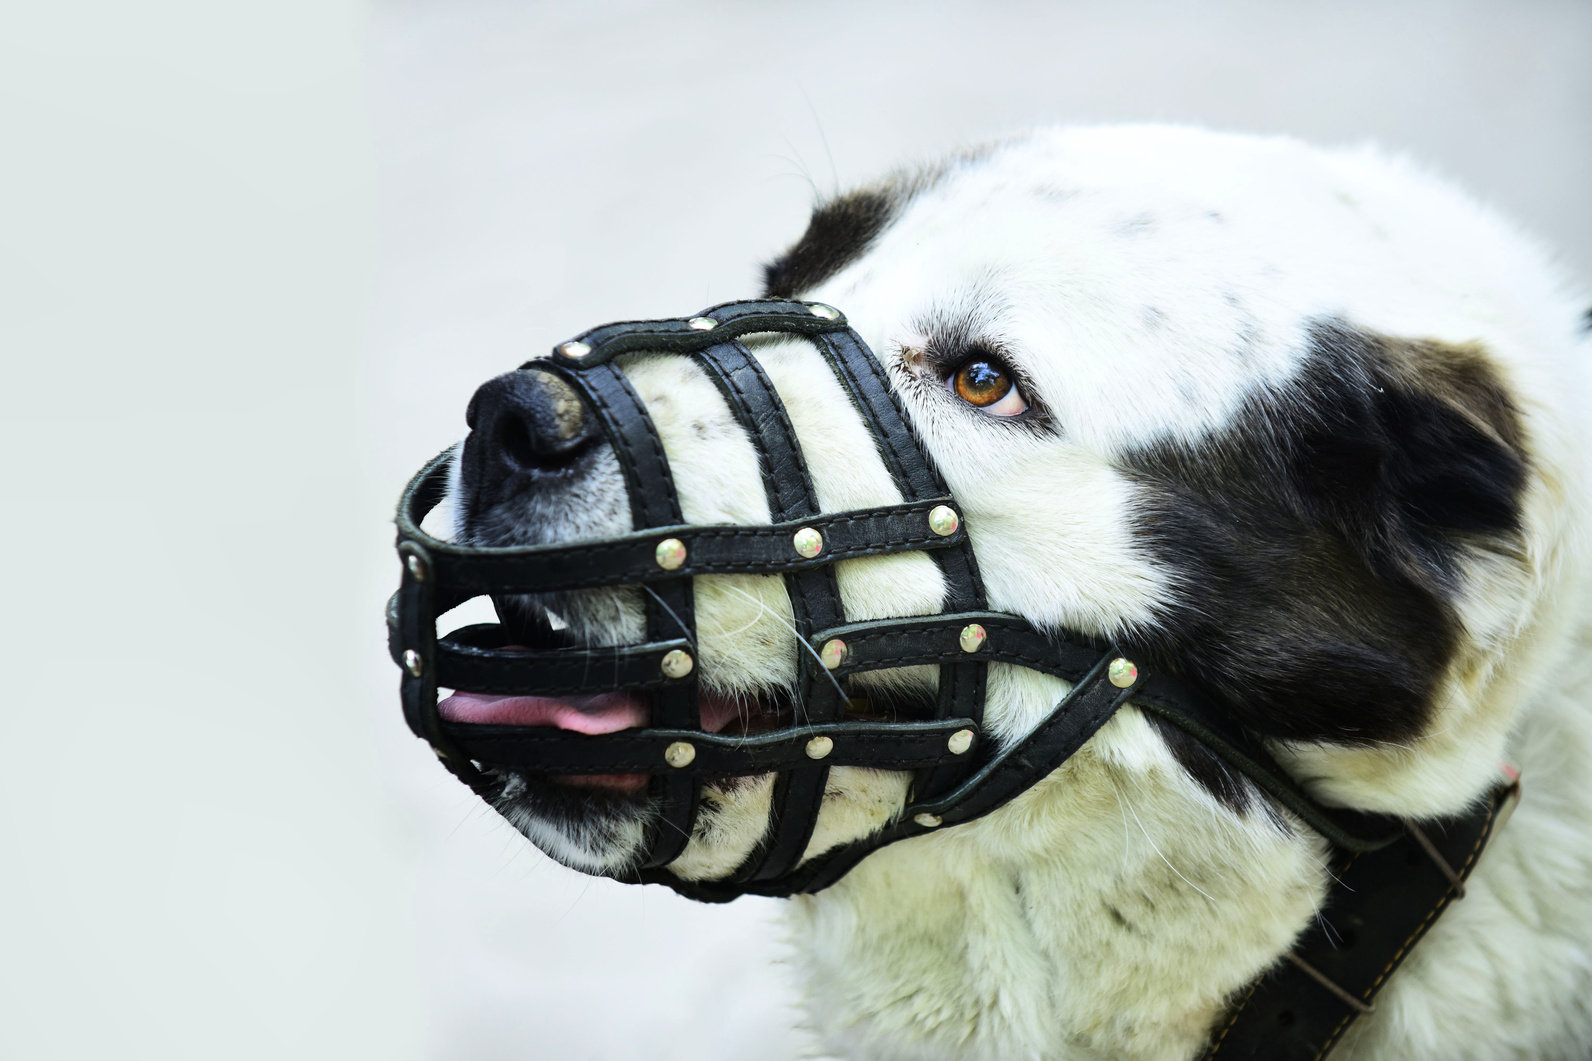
1121	799
685	631
800	641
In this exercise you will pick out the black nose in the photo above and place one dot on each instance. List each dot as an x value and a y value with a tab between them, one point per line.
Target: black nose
525	421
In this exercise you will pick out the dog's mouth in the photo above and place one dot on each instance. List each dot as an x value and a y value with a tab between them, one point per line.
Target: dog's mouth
609	713
740	713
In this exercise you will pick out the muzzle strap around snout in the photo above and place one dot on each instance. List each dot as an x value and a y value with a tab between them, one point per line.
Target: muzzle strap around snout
669	605
958	773
814	597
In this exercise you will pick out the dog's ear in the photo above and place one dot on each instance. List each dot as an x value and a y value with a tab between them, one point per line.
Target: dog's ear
1406	446
1319	541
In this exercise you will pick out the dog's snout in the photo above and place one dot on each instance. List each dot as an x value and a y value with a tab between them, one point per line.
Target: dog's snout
528	421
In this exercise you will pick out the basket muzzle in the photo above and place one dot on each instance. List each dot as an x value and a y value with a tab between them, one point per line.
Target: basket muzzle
959	774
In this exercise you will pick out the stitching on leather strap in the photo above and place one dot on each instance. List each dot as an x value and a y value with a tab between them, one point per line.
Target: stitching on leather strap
1419	930
1238	1011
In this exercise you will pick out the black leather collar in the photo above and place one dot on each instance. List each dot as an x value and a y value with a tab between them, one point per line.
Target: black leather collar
1381	903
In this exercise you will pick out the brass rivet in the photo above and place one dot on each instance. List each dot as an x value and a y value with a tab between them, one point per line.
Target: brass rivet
972	638
575	348
808	542
679	754
829	313
703	324
943	520
833	653
670	554
416	566
960	741
1122	672
928	821
412	662
819	747
676	663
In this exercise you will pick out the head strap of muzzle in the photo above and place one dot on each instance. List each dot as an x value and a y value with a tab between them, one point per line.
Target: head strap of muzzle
959	772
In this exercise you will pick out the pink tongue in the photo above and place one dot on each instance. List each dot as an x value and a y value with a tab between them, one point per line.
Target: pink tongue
602	713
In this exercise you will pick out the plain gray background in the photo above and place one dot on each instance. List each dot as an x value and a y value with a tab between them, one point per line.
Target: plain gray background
253	261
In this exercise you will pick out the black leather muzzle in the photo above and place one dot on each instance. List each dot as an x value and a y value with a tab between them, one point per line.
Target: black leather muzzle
959	774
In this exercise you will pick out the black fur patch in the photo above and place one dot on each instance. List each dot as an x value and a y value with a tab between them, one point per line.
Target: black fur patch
838	233
1317	540
841	229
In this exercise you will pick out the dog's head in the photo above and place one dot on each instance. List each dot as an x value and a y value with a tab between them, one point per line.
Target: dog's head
1220	397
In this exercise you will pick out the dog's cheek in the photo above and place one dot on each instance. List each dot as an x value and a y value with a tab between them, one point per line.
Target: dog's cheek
732	818
858	801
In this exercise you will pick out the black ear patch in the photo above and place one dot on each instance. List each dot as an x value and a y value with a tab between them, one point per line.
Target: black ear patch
838	233
1318	540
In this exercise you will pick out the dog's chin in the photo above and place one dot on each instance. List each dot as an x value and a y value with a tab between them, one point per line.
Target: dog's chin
596	824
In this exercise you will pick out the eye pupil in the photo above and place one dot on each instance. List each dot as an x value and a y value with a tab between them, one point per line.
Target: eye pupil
981	383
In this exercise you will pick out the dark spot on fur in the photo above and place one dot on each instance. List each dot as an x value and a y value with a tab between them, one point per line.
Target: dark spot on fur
1051	194
1318	538
1586	321
1116	915
1215	216
1152	318
1209	770
1138	225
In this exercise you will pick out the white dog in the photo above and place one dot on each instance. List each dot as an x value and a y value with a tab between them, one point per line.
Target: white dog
1307	422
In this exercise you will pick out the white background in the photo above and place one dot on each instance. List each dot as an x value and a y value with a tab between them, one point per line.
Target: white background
255	257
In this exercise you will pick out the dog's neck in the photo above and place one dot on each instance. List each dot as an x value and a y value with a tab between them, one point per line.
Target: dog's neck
1113	910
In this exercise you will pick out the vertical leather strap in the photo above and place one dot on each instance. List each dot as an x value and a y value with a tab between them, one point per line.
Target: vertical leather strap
1381	903
669	604
814	596
962	685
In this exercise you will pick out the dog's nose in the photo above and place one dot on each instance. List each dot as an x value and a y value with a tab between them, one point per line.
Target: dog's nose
526	421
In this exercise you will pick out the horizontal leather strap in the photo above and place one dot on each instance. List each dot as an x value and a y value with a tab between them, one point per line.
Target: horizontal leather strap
483	668
937	639
710	550
1176	702
886	745
680	336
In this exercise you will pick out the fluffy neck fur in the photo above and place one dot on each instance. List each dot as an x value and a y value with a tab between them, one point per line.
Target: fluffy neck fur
1091	919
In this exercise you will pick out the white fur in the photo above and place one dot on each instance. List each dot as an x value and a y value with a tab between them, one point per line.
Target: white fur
1149	280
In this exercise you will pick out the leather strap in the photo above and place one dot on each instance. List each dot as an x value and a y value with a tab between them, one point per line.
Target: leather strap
888	745
669	606
1382	902
814	593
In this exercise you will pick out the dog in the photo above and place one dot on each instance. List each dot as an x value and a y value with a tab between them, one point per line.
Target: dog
1308	423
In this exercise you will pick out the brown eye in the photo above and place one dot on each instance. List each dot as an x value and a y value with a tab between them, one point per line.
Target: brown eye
981	383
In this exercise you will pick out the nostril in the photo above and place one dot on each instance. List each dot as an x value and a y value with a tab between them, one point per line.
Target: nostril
514	441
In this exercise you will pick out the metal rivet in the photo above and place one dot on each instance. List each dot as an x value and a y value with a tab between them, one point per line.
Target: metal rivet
972	638
670	554
412	662
928	821
575	348
960	741
703	324
829	313
808	542
416	566
833	653
943	520
680	753
1122	672
676	663
819	747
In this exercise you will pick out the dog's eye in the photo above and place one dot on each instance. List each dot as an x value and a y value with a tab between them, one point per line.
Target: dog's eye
987	385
